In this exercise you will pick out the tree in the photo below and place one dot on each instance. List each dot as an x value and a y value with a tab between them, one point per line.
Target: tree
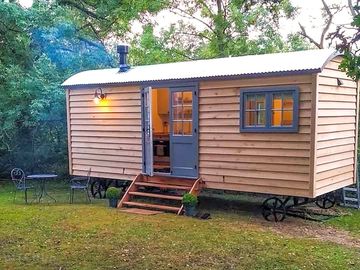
328	15
349	44
110	18
346	38
207	29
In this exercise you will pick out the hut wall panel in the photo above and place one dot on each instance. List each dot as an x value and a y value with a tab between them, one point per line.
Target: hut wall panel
275	163
107	136
335	130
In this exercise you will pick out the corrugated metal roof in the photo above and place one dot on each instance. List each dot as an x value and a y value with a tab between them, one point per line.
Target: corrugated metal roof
311	61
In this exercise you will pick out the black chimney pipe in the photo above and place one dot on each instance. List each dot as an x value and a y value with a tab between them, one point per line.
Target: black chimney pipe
123	51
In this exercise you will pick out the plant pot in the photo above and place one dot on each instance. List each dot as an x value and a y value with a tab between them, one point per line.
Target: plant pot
190	210
113	203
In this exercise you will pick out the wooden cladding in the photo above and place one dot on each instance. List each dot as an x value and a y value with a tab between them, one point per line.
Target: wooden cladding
275	163
105	137
335	130
319	158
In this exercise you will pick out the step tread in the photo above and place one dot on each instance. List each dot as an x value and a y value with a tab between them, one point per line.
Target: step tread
160	185
154	206
153	195
350	189
351	199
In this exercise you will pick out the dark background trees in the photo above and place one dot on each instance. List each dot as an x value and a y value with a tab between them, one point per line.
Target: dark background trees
43	45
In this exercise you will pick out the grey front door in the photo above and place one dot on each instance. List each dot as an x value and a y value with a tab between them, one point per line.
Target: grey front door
184	131
147	131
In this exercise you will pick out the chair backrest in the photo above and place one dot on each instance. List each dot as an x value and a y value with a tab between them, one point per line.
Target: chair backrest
18	177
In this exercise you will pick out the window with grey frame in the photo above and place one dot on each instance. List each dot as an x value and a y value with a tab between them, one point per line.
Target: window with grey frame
269	109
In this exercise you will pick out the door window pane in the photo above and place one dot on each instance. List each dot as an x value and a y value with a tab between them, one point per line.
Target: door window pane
187	98
187	127
177	98
182	112
177	113
187	113
177	128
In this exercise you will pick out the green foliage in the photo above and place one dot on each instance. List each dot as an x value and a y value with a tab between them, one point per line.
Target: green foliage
213	29
189	199
351	65
113	193
349	45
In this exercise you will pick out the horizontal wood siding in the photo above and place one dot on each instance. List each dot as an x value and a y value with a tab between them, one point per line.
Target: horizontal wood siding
336	130
106	136
275	163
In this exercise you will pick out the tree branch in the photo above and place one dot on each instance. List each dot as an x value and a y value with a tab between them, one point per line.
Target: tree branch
327	26
305	35
81	8
189	15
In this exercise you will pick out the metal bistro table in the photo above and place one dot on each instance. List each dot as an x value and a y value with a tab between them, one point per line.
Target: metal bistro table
42	178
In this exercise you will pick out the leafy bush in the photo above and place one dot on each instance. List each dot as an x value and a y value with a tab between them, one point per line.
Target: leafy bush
189	199
113	193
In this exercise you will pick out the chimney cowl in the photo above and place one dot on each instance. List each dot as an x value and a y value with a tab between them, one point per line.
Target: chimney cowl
123	51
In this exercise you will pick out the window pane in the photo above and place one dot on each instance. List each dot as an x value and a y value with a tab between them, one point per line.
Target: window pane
187	113
177	98
250	119
260	102
177	113
261	118
287	118
177	128
187	98
288	101
250	102
187	126
276	103
276	118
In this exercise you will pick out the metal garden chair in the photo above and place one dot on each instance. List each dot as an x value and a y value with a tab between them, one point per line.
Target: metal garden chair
19	179
80	183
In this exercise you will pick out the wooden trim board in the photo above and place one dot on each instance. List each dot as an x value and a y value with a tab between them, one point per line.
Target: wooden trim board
313	139
67	94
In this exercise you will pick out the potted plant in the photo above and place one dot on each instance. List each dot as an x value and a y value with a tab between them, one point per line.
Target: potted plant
113	195
189	201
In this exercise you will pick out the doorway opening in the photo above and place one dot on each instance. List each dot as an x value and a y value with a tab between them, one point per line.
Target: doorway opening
160	114
170	131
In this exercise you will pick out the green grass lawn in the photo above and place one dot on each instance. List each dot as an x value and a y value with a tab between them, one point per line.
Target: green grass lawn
93	236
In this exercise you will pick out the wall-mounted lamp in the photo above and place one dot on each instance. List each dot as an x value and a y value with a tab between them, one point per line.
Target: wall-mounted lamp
99	95
339	82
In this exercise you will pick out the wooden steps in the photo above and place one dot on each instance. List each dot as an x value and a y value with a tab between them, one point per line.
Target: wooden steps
162	186
158	193
154	195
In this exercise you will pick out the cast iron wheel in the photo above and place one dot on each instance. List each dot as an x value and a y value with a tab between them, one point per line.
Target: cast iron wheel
326	201
98	189
273	209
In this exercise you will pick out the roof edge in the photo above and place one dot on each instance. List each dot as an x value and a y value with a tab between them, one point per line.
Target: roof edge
331	57
198	79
